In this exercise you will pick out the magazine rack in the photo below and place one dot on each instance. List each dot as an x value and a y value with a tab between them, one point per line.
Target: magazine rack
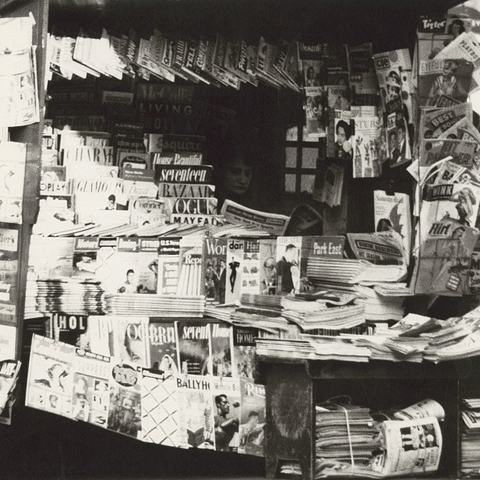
294	387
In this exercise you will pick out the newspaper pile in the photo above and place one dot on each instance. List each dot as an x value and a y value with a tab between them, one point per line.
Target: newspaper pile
470	465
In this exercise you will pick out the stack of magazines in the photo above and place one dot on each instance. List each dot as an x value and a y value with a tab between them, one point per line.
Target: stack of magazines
73	295
154	305
334	271
471	437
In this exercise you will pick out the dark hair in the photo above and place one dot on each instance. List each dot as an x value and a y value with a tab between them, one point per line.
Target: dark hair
218	398
346	128
130	270
112	197
457	229
384	224
458	22
290	246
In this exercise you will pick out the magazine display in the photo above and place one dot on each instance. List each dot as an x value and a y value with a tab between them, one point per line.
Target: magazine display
193	348
163	346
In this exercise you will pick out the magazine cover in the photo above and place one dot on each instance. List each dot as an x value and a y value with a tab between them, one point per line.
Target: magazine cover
445	77
215	253
435	121
53	181
340	131
99	335
250	276
50	376
90	388
191	266
392	212
159	408
366	141
443	261
130	339
244	351
124	411
252	418
146	210
315	112
193	347
363	79
390	67
147	264
67	328
185	190
226	396
168	266
196	412
268	266
289	250
221	344
163	345
234	270
399	151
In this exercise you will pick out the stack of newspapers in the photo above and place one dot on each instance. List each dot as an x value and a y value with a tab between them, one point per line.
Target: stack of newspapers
154	305
471	437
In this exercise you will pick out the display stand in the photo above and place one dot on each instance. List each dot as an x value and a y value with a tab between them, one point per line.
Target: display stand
294	387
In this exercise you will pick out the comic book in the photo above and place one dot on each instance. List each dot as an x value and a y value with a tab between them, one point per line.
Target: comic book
193	348
226	400
9	247
215	253
50	376
191	266
196	419
168	265
163	345
159	408
366	162
131	339
244	351
393	212
221	344
252	418
90	388
12	175
124	410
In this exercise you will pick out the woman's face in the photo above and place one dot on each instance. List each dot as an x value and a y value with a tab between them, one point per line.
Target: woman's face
341	135
237	177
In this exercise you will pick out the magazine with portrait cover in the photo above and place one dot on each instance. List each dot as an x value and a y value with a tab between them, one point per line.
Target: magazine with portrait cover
366	141
163	345
50	376
315	112
339	134
159	408
168	265
289	257
131	339
234	270
393	212
244	351
215	252
267	266
226	401
90	388
193	347
252	418
196	418
221	345
398	139
444	255
124	410
444	77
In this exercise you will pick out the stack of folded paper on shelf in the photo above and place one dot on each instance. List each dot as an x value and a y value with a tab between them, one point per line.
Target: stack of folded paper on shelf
470	460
